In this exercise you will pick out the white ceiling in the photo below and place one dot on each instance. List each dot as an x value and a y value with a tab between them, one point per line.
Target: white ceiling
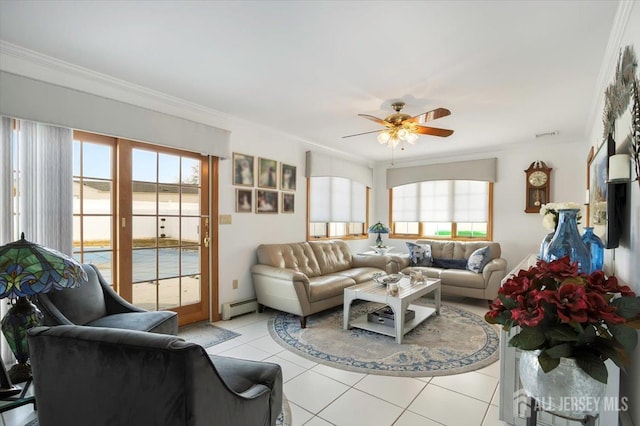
506	70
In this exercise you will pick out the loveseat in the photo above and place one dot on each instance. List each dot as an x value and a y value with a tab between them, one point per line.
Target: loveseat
450	261
308	277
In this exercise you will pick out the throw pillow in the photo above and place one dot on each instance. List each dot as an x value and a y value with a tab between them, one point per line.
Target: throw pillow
419	254
450	263
478	260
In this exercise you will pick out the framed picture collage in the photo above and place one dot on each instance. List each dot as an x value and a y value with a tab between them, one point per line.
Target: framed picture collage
264	185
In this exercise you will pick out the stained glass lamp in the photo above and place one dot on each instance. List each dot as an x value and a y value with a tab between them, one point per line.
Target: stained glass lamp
27	269
379	228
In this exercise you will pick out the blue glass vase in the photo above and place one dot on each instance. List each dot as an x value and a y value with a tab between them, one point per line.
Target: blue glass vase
596	248
545	243
568	242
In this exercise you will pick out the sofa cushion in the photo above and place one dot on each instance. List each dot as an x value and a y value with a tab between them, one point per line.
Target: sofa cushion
332	256
83	304
152	321
359	275
462	278
450	263
478	260
297	256
419	254
328	286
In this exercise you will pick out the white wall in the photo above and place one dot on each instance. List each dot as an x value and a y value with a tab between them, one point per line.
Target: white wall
518	233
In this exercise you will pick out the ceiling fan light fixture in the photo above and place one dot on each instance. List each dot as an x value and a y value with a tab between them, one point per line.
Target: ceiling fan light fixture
412	138
384	137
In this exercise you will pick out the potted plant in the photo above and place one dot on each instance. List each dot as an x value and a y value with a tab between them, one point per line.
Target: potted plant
564	315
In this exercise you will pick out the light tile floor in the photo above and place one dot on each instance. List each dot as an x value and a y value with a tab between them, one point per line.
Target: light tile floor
321	395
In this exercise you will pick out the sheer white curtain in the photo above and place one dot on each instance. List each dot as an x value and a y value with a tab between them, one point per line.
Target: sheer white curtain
36	187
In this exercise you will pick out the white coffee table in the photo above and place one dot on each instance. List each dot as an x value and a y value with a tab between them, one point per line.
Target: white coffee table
399	303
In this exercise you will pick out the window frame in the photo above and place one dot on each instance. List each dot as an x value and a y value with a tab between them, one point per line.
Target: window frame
395	235
360	236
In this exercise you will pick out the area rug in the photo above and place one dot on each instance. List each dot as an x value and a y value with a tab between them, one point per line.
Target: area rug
284	419
205	334
454	342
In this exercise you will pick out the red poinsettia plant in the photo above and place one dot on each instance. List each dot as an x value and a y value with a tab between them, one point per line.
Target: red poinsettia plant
564	313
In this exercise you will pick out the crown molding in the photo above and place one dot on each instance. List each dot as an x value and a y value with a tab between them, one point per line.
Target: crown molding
28	63
609	61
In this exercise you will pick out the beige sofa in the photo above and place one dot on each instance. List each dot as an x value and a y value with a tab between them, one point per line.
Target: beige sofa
309	277
459	282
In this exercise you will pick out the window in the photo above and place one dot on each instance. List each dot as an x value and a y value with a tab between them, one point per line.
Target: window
337	208
452	209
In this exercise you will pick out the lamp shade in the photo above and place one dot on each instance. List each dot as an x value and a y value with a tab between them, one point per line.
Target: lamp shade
27	268
379	228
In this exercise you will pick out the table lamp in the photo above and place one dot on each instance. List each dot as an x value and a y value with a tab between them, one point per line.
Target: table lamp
378	228
27	269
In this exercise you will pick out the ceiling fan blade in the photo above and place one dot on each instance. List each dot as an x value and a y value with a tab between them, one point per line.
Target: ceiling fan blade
365	133
376	119
433	131
430	115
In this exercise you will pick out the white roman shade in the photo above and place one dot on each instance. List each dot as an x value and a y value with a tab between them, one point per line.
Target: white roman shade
336	199
482	170
30	99
319	164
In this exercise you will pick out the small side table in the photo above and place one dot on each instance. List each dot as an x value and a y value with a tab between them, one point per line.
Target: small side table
23	398
532	420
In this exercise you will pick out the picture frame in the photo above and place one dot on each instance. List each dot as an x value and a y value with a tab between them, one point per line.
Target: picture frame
287	177
598	175
288	202
244	200
266	201
243	173
267	173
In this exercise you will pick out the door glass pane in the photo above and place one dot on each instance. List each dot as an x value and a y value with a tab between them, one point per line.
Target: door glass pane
190	261
144	167
144	265
169	293
168	168
76	157
190	290
144	295
96	196
190	230
76	195
168	263
190	171
168	199
96	232
96	160
143	199
169	231
144	230
190	202
77	237
103	261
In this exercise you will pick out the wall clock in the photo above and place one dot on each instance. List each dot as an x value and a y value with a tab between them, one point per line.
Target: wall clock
538	183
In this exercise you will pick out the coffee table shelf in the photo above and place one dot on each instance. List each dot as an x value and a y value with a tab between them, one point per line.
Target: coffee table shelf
422	313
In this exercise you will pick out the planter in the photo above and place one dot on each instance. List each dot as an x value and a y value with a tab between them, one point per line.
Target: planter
566	390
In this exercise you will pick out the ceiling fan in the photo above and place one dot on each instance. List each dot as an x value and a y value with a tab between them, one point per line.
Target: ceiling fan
400	127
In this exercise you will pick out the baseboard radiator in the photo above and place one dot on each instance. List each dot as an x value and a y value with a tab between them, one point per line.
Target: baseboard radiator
233	309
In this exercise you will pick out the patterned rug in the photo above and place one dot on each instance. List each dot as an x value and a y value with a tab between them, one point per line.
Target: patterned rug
454	342
205	334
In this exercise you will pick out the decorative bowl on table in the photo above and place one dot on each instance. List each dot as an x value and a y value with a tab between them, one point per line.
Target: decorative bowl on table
387	279
381	249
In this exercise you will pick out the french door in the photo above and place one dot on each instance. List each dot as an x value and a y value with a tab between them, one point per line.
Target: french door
146	226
